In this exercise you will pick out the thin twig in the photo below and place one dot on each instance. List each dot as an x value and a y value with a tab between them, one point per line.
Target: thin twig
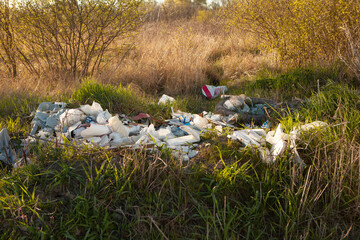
7	156
267	113
123	57
156	225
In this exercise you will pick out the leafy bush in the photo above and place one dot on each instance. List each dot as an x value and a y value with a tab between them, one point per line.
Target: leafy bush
300	30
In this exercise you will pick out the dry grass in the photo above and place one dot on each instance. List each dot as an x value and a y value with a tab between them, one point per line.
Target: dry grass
173	58
180	57
26	84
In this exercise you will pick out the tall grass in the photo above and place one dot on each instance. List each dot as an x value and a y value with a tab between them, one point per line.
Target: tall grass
179	57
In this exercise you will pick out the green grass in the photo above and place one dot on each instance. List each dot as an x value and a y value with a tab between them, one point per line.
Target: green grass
226	192
15	112
300	83
119	99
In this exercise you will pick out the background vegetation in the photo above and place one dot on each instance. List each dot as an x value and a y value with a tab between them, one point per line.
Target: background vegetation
124	54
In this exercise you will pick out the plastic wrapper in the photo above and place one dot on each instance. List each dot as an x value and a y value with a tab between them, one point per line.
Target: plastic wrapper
200	122
103	117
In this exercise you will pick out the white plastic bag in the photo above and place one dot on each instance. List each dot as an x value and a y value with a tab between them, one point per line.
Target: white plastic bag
92	110
103	117
117	126
165	99
200	122
71	116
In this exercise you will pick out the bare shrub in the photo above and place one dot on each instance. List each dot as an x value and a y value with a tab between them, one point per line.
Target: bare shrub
65	37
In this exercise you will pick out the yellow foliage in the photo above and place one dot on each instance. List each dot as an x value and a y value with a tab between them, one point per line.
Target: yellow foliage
300	30
204	15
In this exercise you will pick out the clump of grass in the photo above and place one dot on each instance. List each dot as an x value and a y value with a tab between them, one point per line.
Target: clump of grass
113	98
15	112
337	104
120	99
300	83
19	105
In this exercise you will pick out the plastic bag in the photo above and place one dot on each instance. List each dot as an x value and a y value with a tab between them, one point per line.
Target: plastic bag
103	117
7	155
165	99
200	122
117	126
194	136
212	92
71	116
92	110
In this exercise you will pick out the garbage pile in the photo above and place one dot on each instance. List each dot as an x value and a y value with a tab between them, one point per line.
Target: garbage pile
91	125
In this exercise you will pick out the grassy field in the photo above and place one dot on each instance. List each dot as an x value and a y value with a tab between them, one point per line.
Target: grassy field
226	192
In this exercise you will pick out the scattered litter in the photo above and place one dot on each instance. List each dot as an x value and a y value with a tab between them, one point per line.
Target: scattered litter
250	137
212	92
70	117
95	130
219	129
193	137
234	102
266	124
92	125
248	110
313	125
165	99
103	117
279	140
201	122
183	152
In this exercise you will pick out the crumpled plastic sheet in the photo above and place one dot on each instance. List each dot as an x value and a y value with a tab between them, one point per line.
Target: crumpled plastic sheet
7	155
279	140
